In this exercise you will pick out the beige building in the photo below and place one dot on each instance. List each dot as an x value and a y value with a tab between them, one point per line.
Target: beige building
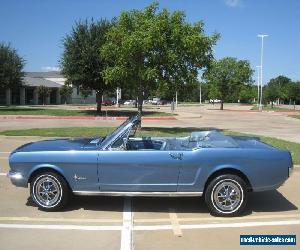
28	93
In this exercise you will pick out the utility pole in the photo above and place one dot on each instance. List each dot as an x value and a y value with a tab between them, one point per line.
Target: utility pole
262	36
258	85
118	96
200	90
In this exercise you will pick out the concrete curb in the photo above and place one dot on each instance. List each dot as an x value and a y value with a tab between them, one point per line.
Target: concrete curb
259	111
94	118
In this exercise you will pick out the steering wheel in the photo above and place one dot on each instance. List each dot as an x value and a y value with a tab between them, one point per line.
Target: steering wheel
123	146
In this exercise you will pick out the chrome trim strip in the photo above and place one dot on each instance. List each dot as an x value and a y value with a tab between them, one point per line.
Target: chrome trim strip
142	194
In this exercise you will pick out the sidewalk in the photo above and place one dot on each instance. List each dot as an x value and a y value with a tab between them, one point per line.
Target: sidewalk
94	118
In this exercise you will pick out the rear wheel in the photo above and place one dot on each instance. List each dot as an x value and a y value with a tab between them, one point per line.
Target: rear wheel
49	191
226	195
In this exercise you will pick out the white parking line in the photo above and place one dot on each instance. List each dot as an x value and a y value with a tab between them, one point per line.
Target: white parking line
4	152
126	235
222	219
150	228
3	174
66	220
220	225
62	227
175	223
294	216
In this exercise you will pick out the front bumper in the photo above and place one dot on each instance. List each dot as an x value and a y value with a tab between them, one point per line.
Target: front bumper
17	179
291	170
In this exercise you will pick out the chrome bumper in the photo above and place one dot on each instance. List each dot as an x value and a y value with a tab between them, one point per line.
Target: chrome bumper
14	175
17	179
291	170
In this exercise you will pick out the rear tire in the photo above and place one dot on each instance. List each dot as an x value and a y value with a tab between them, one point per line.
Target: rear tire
49	191
226	195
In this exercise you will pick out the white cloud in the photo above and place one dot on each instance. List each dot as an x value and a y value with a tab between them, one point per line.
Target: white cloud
50	68
233	3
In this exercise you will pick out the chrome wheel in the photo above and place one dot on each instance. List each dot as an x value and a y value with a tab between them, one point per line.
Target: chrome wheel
227	196
47	191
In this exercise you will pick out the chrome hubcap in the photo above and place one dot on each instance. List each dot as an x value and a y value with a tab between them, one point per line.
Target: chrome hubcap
47	191
227	196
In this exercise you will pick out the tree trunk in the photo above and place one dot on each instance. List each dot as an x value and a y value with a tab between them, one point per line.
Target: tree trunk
136	102
222	105
271	104
99	101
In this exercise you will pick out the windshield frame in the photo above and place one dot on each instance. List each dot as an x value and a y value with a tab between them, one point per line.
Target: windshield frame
119	131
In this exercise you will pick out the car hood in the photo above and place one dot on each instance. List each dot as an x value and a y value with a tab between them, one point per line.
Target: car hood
61	145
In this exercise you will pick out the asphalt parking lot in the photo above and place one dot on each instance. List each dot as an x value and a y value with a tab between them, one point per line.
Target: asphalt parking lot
138	223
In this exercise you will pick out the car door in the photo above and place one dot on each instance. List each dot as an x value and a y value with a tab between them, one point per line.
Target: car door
78	167
139	171
194	164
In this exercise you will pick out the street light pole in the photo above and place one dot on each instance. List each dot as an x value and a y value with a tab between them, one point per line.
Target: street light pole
200	93
258	84
262	36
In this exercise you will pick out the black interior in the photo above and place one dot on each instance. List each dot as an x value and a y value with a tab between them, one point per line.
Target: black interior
144	144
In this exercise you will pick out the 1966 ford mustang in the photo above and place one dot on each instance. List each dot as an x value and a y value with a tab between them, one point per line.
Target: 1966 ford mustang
222	168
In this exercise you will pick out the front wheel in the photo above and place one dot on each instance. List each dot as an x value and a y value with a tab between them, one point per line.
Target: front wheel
49	191
226	195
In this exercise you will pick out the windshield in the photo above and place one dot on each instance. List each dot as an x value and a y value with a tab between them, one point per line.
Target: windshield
121	130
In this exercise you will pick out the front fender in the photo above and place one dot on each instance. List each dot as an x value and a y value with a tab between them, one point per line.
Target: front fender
41	167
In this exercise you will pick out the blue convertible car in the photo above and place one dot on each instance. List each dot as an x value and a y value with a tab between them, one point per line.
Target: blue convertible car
222	168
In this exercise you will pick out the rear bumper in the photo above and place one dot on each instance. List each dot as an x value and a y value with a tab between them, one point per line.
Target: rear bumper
17	179
269	187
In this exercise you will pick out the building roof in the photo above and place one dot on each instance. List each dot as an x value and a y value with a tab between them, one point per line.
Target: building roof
48	74
35	82
52	79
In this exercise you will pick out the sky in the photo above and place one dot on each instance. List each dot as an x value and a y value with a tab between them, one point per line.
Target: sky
35	28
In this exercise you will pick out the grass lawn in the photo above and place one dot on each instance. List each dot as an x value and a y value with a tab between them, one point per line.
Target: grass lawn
293	147
295	116
268	107
74	112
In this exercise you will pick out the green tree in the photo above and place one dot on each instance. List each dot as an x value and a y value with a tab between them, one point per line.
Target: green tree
278	89
226	77
294	92
247	93
11	67
66	92
85	93
44	92
81	62
149	48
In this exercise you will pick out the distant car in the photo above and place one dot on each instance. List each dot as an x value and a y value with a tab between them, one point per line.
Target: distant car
214	101
120	101
107	103
129	102
222	168
162	102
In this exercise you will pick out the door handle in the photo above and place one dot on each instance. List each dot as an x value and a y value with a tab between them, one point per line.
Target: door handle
177	156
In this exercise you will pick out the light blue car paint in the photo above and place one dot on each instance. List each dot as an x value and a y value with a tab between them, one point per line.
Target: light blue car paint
151	164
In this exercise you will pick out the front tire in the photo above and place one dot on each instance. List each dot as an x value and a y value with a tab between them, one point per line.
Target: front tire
226	195
49	191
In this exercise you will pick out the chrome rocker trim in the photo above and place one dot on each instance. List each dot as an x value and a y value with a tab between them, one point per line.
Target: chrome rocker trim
141	194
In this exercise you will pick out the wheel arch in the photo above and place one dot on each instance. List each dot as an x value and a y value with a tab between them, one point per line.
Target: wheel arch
47	168
228	170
